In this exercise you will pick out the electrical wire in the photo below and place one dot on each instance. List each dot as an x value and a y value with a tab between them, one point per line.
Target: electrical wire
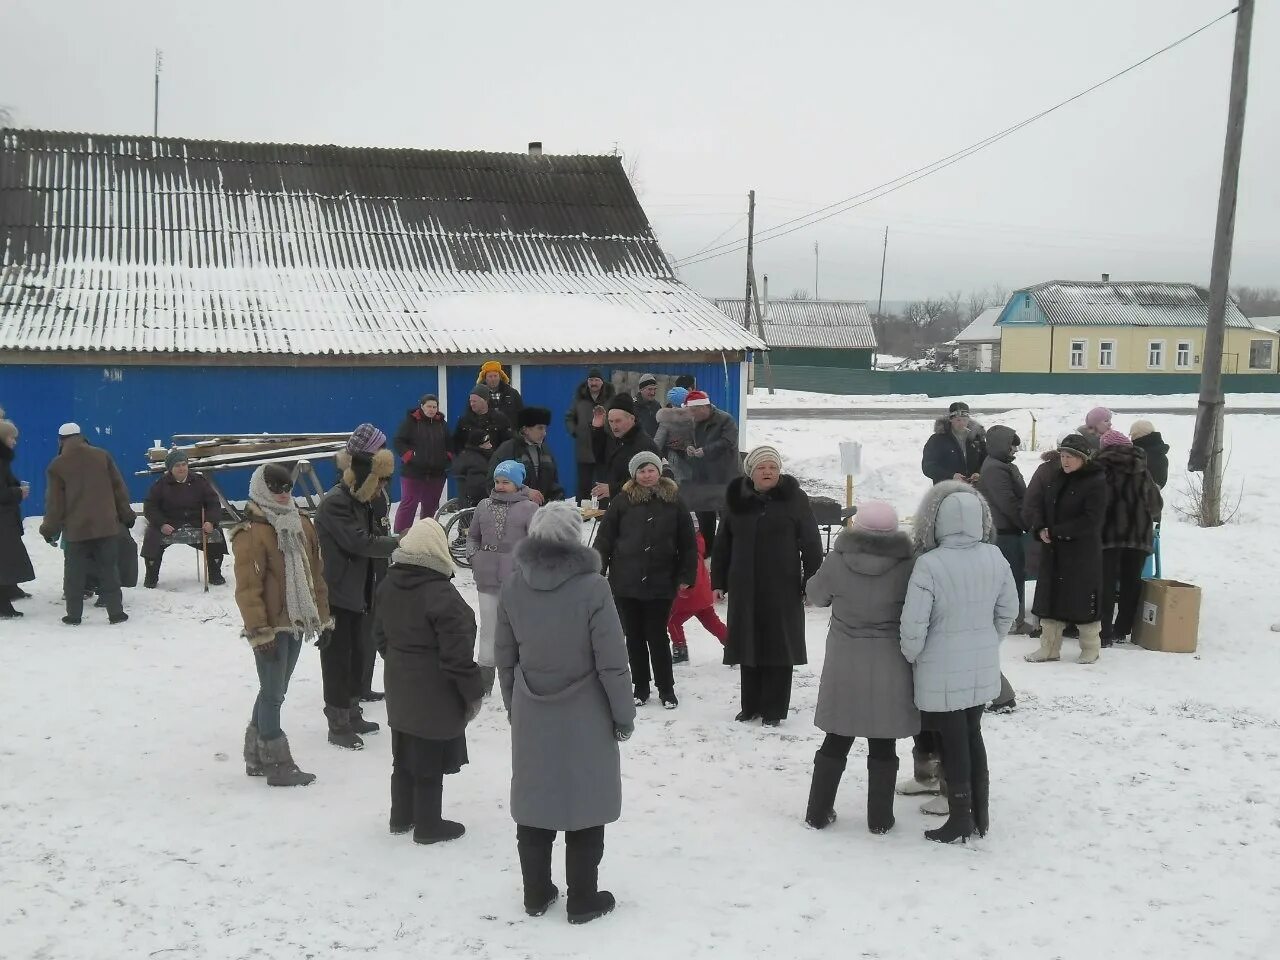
718	237
897	183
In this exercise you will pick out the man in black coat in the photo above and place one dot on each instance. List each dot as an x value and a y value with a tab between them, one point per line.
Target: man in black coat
15	564
502	396
482	417
186	501
592	394
647	404
956	449
616	437
528	446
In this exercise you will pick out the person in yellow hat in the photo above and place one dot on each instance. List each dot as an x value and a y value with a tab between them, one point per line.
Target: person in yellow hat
503	397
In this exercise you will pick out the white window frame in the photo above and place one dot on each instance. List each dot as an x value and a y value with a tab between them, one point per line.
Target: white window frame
1177	355
1271	360
1161	345
1082	353
1105	364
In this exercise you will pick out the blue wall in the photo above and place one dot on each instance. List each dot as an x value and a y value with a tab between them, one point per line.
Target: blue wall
123	409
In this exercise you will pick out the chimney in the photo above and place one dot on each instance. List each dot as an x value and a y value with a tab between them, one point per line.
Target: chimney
535	148
1106	277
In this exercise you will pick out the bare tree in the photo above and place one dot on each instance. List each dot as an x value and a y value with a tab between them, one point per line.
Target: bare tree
1258	301
6	116
799	293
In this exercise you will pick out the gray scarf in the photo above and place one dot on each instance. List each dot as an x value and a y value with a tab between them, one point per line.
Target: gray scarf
299	589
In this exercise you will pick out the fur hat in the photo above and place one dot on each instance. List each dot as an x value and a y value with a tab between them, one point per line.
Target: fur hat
647	380
425	545
1114	438
1096	416
676	396
512	470
642	459
559	521
958	409
762	454
363	474
8	429
696	398
875	516
175	457
595	374
481	391
624	403
366	439
1141	428
69	430
1075	445
533	417
492	366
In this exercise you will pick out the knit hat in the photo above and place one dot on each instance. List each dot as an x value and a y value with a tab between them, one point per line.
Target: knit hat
1075	445
648	380
1114	438
175	457
686	381
696	398
427	396
492	366
1096	416
425	545
958	409
366	439
676	396
559	521
875	516
533	417
512	470
1141	428
761	454
69	430
644	458
481	391
595	374
624	403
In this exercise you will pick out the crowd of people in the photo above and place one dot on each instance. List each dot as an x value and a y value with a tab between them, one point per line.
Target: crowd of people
576	635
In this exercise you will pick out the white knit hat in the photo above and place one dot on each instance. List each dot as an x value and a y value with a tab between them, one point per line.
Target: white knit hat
762	454
69	430
645	458
425	545
559	522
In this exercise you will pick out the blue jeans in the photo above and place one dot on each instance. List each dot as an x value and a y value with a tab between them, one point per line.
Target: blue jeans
274	671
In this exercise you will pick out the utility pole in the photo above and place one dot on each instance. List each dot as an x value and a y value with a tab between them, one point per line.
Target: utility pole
1207	444
155	102
751	243
884	256
815	269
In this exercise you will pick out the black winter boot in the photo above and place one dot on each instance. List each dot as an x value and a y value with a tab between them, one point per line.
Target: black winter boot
981	803
880	777
7	611
679	653
355	717
827	772
401	801
152	578
252	761
216	579
535	868
340	732
584	849
959	825
487	675
428	826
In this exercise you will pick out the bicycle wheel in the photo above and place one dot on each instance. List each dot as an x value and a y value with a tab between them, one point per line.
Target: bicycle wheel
455	530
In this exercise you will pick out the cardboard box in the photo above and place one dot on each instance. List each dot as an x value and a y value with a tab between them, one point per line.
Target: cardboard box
1168	616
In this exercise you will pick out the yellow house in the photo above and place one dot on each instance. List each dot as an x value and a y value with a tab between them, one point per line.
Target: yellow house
1103	327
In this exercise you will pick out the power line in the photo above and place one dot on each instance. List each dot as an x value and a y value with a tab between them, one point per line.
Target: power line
906	179
733	226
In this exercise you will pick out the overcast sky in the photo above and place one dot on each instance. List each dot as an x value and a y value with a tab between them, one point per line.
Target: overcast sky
807	102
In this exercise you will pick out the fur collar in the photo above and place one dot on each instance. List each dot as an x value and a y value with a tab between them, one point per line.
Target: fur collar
674	415
896	544
666	490
742	497
975	430
1122	459
402	559
383	466
925	533
546	564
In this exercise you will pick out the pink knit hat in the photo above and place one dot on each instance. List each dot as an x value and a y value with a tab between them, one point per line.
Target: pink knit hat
1114	438
1096	416
875	516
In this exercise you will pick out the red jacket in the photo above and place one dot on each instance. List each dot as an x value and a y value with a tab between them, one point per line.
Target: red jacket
698	597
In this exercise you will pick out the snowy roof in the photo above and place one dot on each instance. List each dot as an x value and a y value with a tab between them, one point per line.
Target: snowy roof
1096	303
117	243
1266	323
830	324
983	329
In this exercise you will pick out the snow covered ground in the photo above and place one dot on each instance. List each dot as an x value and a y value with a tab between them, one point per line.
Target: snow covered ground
1134	802
803	398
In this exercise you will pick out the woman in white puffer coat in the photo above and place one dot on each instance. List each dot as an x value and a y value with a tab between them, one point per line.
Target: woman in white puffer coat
960	604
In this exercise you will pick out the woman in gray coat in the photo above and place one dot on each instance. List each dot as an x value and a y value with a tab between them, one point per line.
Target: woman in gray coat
866	686
960	604
562	665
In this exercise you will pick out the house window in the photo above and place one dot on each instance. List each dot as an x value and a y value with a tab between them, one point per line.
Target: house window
1183	359
1155	354
1260	355
1107	354
1078	352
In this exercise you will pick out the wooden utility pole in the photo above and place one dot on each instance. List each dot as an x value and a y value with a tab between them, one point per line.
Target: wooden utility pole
751	246
884	257
155	100
815	269
768	364
1207	444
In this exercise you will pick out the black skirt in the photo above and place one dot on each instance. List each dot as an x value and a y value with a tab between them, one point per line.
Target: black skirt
428	759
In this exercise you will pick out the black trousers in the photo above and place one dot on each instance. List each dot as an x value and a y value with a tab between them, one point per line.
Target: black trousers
97	557
584	849
927	742
1013	550
418	767
707	527
342	659
838	747
1121	588
964	755
588	473
368	655
766	691
645	624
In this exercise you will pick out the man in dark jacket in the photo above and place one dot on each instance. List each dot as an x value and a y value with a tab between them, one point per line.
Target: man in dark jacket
714	455
471	467
483	417
186	501
422	444
86	500
956	449
1001	483
1148	440
647	404
349	541
593	394
502	396
616	437
528	446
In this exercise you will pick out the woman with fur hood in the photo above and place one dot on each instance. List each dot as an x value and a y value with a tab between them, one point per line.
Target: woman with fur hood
1128	533
427	633
961	601
766	552
281	593
866	688
562	667
350	541
648	551
499	523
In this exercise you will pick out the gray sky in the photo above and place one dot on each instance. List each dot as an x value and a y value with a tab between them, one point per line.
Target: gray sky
807	102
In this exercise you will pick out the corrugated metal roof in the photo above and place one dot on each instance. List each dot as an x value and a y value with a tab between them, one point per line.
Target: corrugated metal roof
832	324
1094	303
1266	323
168	245
983	329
